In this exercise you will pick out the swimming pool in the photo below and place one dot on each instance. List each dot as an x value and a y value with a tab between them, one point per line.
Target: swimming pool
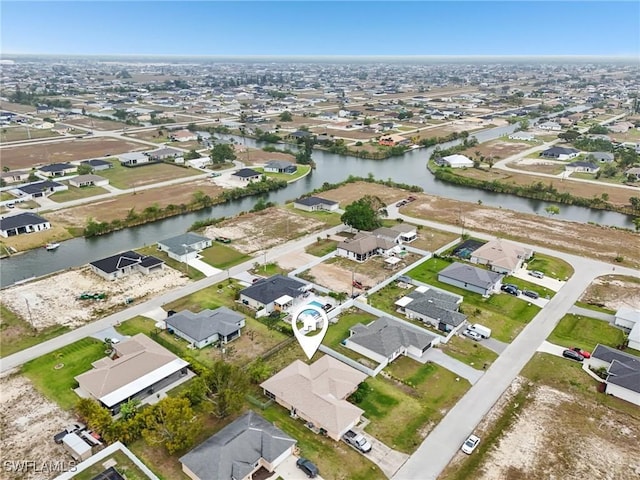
316	304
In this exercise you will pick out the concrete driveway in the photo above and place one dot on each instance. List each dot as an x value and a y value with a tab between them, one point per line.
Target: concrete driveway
552	348
205	268
109	332
289	471
388	459
494	345
548	282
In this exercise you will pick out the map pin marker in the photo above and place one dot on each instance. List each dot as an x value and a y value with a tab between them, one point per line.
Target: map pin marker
311	334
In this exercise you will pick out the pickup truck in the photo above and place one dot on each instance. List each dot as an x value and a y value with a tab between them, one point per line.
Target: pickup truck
358	441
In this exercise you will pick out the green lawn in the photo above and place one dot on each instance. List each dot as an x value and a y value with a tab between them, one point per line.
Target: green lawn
551	266
57	385
595	308
330	219
505	314
321	247
190	272
6	196
269	270
401	414
302	170
222	256
74	193
124	465
221	294
525	285
336	333
335	460
16	334
585	332
124	177
469	352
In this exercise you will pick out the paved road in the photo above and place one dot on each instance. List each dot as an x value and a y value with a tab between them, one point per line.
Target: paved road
586	312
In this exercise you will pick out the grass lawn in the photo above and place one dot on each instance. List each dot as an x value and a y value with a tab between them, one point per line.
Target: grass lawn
330	219
222	256
16	334
302	170
6	196
551	266
335	460
469	352
322	247
595	308
14	134
124	465
57	385
269	270
74	193
585	332
336	333
525	285
124	177
221	294
190	272
401	416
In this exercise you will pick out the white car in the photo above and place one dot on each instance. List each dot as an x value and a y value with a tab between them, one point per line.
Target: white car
470	444
472	335
536	273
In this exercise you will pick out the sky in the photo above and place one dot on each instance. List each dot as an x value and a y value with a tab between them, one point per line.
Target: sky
308	28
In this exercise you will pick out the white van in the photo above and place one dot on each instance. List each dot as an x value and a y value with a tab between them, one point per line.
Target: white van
484	332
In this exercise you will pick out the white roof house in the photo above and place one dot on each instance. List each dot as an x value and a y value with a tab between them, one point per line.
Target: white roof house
458	161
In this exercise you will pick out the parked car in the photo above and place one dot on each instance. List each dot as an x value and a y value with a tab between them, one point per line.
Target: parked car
307	467
73	428
358	441
472	335
470	444
10	205
510	289
536	273
531	294
411	198
401	204
572	355
584	353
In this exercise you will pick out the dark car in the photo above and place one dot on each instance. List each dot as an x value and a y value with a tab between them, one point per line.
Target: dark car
307	467
572	355
510	289
530	293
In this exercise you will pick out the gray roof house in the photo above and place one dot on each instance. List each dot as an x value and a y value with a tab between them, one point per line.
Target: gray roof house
274	293
247	175
239	450
365	245
134	159
125	263
39	189
436	308
184	247
602	157
280	166
207	327
97	164
623	372
23	223
561	153
57	169
582	166
400	233
385	339
312	204
470	278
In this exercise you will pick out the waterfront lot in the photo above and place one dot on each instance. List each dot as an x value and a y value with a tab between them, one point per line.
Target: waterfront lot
75	193
351	192
497	149
28	156
125	177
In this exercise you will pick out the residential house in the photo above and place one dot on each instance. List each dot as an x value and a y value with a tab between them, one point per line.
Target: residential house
602	157
313	204
239	450
560	153
400	233
457	161
393	140
183	136
134	159
22	223
276	293
164	154
501	256
582	166
39	189
138	368
125	263
97	164
385	339
471	278
365	245
13	176
523	136
435	307
623	372
629	319
88	180
247	175
620	127
299	135
280	166
317	392
553	126
207	327
633	172
57	169
184	247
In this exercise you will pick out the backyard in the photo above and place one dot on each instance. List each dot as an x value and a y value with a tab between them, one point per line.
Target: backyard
469	352
128	177
584	332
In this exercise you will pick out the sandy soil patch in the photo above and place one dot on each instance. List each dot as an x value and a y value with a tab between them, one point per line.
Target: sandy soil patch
293	260
497	149
613	292
27	426
28	156
351	192
262	230
260	157
338	276
53	300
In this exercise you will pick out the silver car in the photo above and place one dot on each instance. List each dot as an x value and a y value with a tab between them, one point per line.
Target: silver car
472	335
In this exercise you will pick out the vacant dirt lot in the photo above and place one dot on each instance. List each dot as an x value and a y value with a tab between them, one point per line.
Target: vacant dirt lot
65	151
28	422
53	300
97	123
613	292
118	207
262	230
354	191
497	149
258	157
595	241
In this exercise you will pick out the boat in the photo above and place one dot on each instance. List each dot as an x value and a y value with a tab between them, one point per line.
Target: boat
51	246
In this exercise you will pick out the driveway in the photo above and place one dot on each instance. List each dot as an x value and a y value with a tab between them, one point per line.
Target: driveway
109	332
388	459
552	348
438	357
551	283
494	345
205	268
587	312
289	471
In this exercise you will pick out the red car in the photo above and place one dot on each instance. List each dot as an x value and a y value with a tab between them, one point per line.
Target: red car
584	353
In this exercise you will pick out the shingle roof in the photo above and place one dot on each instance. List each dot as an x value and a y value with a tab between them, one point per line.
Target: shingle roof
365	242
436	309
233	452
281	164
559	151
269	289
57	167
39	187
21	220
385	336
246	173
121	260
471	275
501	253
176	244
311	201
96	163
202	325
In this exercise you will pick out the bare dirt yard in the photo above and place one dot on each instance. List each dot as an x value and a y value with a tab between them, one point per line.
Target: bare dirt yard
340	133
497	149
28	156
603	243
28	422
351	192
255	156
613	292
54	300
265	229
97	123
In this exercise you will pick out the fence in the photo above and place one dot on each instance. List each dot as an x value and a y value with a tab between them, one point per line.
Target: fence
351	362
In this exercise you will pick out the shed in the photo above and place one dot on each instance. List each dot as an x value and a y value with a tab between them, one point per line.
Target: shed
76	446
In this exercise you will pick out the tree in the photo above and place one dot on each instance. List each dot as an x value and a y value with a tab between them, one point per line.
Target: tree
95	416
552	210
259	371
523	125
285	116
361	215
227	385
84	169
636	223
220	153
172	423
635	203
569	135
33	177
191	155
129	409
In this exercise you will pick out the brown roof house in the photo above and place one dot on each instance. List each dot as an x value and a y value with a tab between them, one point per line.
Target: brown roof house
501	256
364	246
137	368
317	392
